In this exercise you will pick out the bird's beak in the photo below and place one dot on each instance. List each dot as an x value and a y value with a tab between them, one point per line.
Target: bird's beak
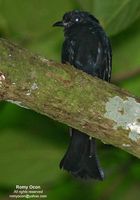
60	23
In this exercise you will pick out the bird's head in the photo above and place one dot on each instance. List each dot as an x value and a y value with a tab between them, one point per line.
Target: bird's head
75	17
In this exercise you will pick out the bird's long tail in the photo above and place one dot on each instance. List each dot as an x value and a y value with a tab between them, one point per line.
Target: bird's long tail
81	159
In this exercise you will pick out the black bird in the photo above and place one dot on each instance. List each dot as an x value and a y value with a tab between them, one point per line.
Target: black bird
87	48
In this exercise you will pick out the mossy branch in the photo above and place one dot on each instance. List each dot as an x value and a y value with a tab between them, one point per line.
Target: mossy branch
70	96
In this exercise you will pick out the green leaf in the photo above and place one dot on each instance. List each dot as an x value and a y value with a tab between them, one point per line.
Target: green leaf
32	19
117	15
126	55
29	147
27	160
85	5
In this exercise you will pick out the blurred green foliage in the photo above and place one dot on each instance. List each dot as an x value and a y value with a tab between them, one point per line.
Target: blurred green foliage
32	145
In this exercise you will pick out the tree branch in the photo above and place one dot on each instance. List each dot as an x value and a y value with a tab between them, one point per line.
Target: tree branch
70	96
125	75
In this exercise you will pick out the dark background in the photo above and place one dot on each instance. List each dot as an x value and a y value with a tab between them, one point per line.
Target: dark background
32	145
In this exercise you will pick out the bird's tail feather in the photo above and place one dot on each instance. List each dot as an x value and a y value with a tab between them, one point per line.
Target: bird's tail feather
81	159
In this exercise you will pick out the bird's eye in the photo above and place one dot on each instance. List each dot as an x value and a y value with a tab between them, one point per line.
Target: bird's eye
77	19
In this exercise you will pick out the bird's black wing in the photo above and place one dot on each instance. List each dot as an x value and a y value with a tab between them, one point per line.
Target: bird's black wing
68	51
89	51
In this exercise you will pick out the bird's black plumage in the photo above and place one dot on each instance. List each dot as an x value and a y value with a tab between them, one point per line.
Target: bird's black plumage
86	47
